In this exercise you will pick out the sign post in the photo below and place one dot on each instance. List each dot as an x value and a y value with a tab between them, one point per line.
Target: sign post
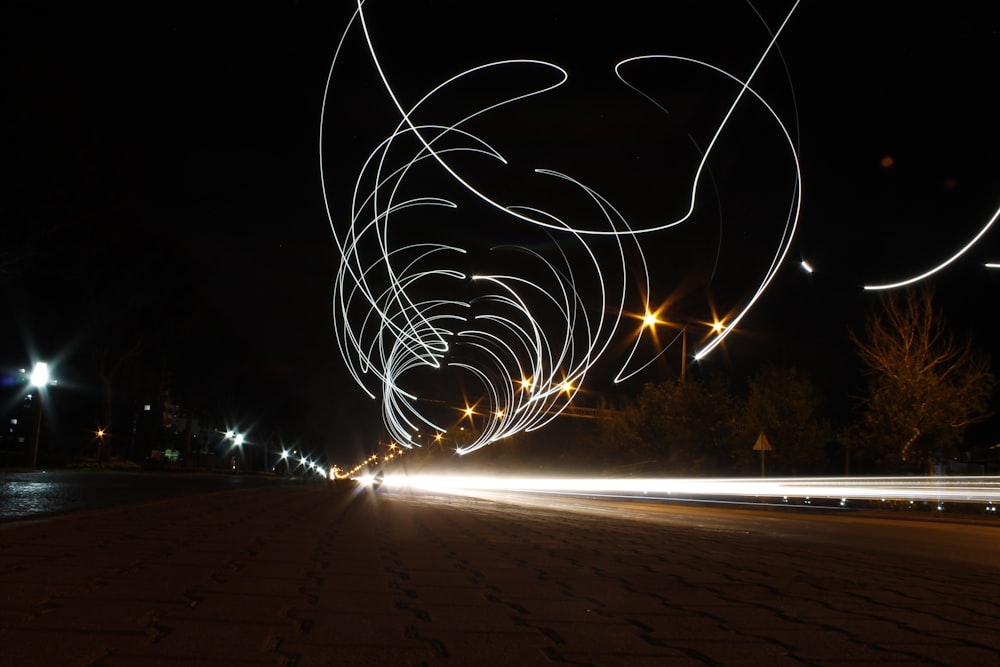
762	445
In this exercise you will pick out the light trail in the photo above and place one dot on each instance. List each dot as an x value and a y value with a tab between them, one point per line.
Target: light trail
942	265
547	301
981	489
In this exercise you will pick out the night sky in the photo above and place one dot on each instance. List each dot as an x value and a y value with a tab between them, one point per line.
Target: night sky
163	171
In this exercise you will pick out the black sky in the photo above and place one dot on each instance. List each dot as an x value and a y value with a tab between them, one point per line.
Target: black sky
162	159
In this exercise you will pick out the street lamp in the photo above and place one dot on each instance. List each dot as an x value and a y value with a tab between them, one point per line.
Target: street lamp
39	378
650	321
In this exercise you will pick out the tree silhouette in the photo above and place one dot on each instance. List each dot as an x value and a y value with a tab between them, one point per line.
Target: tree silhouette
925	388
784	404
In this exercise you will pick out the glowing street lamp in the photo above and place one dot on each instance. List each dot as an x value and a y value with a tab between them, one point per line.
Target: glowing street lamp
650	321
38	379
39	375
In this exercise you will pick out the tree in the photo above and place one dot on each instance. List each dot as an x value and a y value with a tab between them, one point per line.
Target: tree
108	361
687	427
924	387
784	404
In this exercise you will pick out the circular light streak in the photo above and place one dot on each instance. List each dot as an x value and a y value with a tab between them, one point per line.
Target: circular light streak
519	324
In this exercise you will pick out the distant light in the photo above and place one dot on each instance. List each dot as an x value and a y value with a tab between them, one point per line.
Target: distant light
650	319
40	375
147	407
230	434
238	440
993	265
717	327
807	266
887	161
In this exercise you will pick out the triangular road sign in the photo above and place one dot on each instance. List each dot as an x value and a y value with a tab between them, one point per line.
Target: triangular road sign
762	445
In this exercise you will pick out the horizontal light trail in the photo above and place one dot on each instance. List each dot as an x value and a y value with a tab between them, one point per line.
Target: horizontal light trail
930	488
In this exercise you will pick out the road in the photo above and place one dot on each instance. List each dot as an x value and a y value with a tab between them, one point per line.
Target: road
311	575
35	493
959	539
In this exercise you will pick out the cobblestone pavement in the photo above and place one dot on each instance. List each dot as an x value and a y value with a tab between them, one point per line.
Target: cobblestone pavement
309	575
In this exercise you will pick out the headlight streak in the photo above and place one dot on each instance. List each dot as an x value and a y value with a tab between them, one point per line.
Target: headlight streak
974	489
552	321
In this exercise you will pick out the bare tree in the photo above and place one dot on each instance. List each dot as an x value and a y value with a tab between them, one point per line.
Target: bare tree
925	387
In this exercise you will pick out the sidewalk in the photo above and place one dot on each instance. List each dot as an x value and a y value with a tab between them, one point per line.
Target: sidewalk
309	575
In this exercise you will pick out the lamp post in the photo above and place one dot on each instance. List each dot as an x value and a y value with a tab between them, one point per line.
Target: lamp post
38	379
684	353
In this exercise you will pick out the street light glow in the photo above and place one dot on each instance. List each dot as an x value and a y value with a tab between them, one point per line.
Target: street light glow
39	375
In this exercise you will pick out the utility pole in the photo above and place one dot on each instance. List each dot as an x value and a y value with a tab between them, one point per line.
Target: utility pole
762	445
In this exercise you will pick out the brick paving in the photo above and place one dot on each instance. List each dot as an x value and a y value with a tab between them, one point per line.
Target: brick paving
310	575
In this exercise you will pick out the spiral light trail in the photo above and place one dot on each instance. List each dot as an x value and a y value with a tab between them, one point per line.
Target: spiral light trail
509	331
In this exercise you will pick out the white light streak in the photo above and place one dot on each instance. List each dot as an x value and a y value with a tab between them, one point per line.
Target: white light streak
410	316
936	488
942	265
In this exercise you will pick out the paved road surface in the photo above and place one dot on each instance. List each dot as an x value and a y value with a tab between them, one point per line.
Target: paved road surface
306	575
36	492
